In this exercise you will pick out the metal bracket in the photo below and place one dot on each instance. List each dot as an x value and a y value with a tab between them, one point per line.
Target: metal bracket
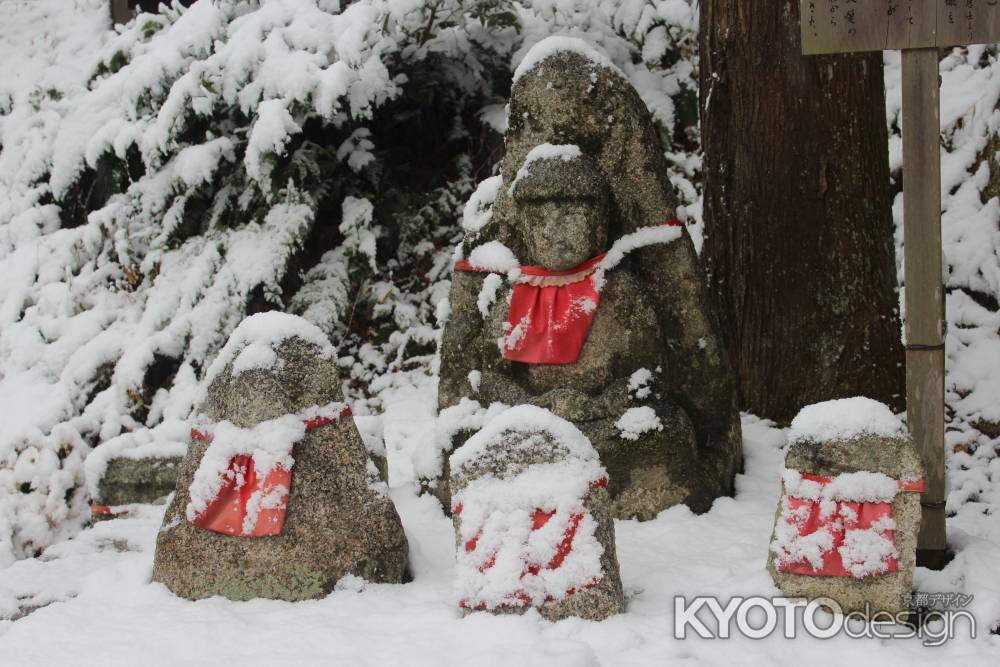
916	347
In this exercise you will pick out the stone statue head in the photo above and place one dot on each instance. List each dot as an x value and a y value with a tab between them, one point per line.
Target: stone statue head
562	209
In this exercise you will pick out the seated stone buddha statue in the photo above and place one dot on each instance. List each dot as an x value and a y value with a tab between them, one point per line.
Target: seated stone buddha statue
573	330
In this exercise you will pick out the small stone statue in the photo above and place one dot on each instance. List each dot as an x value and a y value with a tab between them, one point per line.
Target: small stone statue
849	513
532	520
278	496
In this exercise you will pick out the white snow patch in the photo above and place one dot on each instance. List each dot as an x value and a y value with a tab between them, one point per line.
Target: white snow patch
640	238
844	419
475	379
638	383
637	421
564	152
478	210
266	331
488	293
866	552
494	256
557	44
862	486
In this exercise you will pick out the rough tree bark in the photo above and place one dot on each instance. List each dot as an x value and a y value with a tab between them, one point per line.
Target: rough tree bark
799	237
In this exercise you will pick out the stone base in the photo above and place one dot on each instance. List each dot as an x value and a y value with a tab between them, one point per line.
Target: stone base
334	526
131	481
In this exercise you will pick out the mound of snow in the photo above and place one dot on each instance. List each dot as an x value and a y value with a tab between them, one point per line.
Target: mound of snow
494	256
844	419
637	421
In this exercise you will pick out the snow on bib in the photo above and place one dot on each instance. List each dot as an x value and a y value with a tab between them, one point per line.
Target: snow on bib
839	526
520	556
242	484
551	311
526	534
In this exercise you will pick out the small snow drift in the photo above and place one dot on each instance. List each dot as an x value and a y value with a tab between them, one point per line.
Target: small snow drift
850	508
276	456
533	520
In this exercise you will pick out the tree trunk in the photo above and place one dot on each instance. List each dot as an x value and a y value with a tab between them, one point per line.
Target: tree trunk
798	227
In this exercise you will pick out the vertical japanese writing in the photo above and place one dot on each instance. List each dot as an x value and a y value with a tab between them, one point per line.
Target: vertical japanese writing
851	16
950	7
841	26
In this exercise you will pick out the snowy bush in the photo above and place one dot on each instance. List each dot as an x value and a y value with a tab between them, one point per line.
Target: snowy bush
160	181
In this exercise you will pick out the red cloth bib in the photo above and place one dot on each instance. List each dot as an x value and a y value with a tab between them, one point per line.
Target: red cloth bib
550	311
547	322
242	488
840	519
227	512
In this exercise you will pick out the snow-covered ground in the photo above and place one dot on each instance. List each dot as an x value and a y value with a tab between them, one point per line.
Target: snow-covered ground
98	605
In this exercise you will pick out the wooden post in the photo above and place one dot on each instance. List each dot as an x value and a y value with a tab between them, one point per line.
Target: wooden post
918	28
925	323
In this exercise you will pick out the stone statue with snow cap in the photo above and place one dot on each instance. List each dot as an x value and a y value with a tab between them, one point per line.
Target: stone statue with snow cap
278	495
579	293
849	512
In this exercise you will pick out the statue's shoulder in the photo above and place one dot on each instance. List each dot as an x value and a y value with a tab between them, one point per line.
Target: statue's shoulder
622	282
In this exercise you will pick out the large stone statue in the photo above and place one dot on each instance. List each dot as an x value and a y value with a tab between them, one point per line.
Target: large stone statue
584	205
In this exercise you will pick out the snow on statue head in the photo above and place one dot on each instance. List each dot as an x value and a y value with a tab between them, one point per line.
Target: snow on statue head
255	513
576	289
532	520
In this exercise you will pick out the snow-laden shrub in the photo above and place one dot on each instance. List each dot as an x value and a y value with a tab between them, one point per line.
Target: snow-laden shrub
161	181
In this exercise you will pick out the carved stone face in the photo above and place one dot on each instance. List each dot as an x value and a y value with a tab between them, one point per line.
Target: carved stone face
562	234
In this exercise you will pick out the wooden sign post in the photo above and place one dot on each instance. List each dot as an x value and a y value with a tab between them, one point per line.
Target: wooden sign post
918	28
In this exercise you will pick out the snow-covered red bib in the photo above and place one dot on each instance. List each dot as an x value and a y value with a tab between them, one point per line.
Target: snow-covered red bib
830	535
551	311
546	556
245	494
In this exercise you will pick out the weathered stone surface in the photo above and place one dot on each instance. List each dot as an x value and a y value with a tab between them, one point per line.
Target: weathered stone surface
895	457
529	439
127	481
654	312
337	522
143	480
